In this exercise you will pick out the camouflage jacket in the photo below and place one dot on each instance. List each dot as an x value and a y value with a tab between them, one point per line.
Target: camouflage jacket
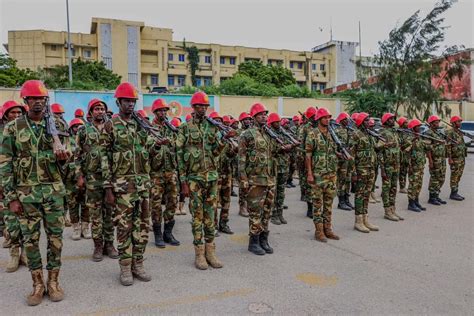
404	139
303	131
417	152
198	145
283	159
225	160
321	148
93	154
27	158
438	150
257	158
163	158
459	150
130	149
389	152
344	136
362	146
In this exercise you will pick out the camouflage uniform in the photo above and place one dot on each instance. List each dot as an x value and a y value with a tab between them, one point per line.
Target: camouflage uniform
305	188
281	179
438	172
30	174
458	153
242	191
93	158
416	166
130	179
404	159
198	147
224	185
344	167
389	160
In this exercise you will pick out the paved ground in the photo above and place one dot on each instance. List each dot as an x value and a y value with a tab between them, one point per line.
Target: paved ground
423	265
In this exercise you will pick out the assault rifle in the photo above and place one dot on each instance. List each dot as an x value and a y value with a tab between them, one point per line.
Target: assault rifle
339	143
225	130
52	130
408	131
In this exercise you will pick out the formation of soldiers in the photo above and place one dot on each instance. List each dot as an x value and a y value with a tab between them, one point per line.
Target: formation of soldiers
115	176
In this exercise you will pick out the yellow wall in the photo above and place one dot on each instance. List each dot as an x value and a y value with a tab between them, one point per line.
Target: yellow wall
234	105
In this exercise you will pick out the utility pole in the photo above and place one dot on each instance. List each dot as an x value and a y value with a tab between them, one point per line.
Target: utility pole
69	52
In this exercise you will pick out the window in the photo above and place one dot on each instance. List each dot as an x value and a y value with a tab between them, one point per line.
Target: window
300	65
53	47
181	57
198	81
322	86
73	52
232	60
314	87
222	60
87	53
170	57
154	79
208	81
292	64
269	62
314	67
207	59
170	80
322	67
181	80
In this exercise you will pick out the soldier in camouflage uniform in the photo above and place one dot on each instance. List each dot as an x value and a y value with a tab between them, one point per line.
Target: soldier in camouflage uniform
362	145
92	158
198	145
404	143
457	153
128	186
164	179
34	189
437	162
257	169
416	153
344	166
389	159
246	122
10	111
292	129
321	163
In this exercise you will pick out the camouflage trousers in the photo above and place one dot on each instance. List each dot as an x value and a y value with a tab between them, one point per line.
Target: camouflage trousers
132	218
363	187
402	177
42	203
343	177
282	177
260	201
389	187
457	169
323	193
164	187
224	189
242	196
76	204
12	224
291	167
203	205
101	215
415	181
304	187
437	175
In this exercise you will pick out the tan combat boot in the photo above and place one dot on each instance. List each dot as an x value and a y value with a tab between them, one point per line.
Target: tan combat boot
328	231
181	209
243	211
372	198
359	224
200	260
36	297
67	220
138	270
6	239
394	213
211	257
14	260
403	190
367	224
388	214
86	232
126	277
55	292
319	232
76	233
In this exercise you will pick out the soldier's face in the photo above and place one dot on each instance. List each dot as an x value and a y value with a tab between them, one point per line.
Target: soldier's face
14	113
457	124
416	129
36	104
219	120
276	125
235	125
390	122
126	106
366	123
161	114
75	128
324	121
435	124
344	122
98	112
261	118
200	110
246	123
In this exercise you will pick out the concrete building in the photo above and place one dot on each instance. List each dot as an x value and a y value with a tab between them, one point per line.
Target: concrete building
148	56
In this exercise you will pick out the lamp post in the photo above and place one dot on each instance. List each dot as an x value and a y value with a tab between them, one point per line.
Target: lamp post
69	52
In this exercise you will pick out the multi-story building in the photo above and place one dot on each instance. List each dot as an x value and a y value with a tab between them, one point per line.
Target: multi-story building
148	56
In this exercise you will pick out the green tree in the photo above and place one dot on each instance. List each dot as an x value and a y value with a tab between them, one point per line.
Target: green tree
11	76
267	74
368	100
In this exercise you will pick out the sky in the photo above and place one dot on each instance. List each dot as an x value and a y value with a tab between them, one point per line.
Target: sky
279	24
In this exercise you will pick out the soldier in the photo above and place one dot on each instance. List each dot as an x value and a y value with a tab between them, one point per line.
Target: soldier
10	111
277	218
372	197
79	114
164	179
292	167
362	145
129	186
436	161
344	166
416	153
93	174
321	165
246	121
33	187
198	147
404	139
257	170
457	153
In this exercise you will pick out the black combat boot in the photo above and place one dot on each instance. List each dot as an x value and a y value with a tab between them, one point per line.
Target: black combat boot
264	242
254	245
412	206
421	207
224	228
342	205
168	234
455	196
159	242
433	200
348	202
440	200
309	212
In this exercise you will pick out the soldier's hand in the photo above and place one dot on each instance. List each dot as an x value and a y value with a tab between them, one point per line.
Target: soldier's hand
287	147
185	189
230	134
430	164
384	175
81	182
109	197
164	141
15	207
310	178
